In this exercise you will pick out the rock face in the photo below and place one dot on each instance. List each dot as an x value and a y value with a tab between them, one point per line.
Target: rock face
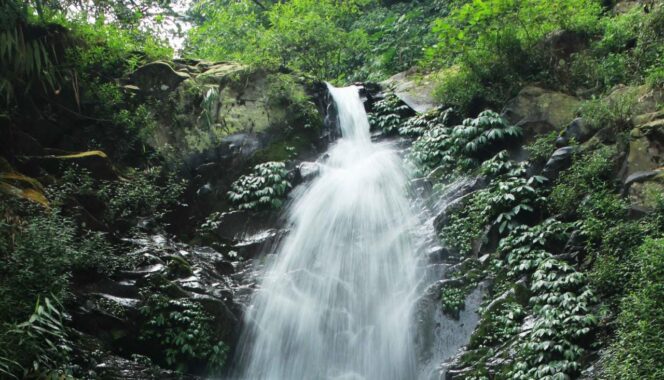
205	105
643	170
216	120
416	92
538	111
113	312
157	78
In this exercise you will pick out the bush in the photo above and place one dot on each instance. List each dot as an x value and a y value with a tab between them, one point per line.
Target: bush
265	187
453	300
540	150
639	345
590	172
45	251
489	48
464	146
184	332
389	114
39	347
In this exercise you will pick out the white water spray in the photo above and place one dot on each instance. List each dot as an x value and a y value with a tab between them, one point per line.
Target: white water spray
337	301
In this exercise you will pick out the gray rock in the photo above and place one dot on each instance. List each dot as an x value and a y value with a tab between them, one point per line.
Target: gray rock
560	160
416	92
538	111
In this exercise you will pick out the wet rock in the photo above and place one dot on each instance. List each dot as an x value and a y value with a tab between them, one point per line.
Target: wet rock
237	225
560	160
538	111
254	245
438	336
453	198
307	171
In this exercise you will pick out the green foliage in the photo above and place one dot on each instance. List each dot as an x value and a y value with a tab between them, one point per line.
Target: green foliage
561	304
39	347
590	172
525	248
542	148
464	146
389	114
494	43
146	192
397	34
417	125
184	332
306	35
638	348
613	112
44	250
265	187
453	300
499	325
629	50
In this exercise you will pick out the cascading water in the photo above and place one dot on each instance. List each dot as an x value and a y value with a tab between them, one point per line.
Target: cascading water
337	300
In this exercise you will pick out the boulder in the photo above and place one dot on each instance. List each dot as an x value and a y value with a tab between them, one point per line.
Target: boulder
560	160
577	130
539	111
414	90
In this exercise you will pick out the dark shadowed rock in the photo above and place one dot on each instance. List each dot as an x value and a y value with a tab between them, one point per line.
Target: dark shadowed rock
560	160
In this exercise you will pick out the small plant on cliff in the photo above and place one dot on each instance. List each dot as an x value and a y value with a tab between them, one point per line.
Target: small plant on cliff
38	348
637	351
465	146
185	333
265	187
417	125
453	300
389	114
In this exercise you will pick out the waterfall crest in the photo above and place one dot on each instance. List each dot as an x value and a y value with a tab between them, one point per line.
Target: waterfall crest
337	300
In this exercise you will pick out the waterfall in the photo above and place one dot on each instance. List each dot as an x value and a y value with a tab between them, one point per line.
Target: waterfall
336	301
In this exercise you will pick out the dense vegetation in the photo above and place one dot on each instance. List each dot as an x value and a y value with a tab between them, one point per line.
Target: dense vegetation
571	256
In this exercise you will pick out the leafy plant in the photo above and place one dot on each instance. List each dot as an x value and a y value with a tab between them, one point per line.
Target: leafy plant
184	332
265	187
636	351
542	148
453	300
388	114
588	174
464	146
39	347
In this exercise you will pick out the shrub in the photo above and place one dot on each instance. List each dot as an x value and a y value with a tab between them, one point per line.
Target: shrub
590	172
453	300
542	148
45	251
464	146
417	125
184	332
561	304
146	193
39	347
389	114
611	112
265	187
639	345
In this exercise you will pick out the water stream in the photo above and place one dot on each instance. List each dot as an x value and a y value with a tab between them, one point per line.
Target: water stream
337	300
